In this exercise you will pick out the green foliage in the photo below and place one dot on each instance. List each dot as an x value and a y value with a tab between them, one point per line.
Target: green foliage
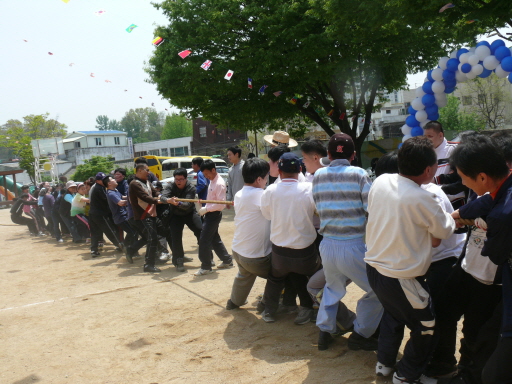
15	137
336	55
103	123
92	166
454	119
176	126
143	124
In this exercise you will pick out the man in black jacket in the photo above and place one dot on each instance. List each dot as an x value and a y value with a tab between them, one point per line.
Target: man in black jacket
181	213
17	214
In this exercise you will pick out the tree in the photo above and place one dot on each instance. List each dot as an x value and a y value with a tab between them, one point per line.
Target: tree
488	97
92	166
176	126
103	123
454	119
329	59
143	124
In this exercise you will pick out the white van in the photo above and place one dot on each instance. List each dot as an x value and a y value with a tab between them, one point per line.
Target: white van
170	165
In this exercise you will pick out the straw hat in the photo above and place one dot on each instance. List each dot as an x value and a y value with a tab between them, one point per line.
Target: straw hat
280	137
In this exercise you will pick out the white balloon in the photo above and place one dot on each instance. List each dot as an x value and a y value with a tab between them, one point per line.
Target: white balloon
477	69
460	77
423	123
406	137
482	52
417	104
438	87
419	92
470	75
406	130
500	72
437	74
491	62
453	54
464	57
421	115
442	62
473	60
441	99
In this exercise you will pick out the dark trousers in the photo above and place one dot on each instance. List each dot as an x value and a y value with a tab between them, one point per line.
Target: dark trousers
130	240
71	225
30	223
58	225
102	225
152	227
498	370
406	302
176	224
437	276
285	261
50	225
210	239
463	296
82	226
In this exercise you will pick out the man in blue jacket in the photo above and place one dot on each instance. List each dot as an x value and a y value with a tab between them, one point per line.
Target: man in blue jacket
202	182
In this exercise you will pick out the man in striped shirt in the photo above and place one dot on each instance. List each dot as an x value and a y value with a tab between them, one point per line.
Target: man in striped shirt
340	192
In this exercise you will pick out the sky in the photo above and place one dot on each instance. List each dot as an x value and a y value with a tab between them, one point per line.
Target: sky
34	82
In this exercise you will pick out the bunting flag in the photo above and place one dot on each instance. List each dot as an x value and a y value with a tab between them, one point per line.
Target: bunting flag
306	104
157	41
445	7
184	53
51	54
278	93
229	75
330	112
293	100
249	83
206	65
66	1
131	28
342	116
262	89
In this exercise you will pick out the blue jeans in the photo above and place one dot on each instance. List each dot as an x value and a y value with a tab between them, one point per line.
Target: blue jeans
343	260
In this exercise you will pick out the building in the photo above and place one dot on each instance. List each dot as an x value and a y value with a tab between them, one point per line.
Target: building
82	145
387	123
208	140
172	147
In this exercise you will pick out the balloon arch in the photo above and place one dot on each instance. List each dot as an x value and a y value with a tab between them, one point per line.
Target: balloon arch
462	65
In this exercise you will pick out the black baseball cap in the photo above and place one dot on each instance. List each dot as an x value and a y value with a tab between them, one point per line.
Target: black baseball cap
289	163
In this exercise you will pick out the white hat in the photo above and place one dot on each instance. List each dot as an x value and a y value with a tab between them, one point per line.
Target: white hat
280	137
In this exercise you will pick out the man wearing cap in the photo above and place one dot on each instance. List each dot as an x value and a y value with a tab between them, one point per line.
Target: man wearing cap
341	192
100	217
290	208
280	138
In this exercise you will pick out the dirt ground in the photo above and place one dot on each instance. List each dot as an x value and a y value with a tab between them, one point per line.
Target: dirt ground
68	318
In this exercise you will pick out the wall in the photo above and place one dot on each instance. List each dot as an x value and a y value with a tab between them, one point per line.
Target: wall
81	154
142	149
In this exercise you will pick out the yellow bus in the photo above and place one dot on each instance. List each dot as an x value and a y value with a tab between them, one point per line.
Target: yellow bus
162	171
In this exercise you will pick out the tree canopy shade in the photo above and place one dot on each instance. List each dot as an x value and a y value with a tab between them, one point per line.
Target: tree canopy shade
336	55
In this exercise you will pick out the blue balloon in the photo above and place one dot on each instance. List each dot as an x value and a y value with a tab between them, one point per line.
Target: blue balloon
452	65
432	109
461	51
427	87
400	145
485	73
506	64
434	116
416	131
450	83
428	100
411	121
448	75
411	110
429	76
466	68
501	53
496	44
483	43
449	90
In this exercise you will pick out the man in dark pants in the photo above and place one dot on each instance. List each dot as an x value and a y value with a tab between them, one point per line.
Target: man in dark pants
144	198
100	217
212	213
182	214
17	214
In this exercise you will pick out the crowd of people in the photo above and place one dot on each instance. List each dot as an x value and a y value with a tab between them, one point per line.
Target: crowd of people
428	242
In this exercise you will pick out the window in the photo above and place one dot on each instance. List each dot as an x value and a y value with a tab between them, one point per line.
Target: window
154	152
467	100
169	166
185	152
388	111
202	131
98	141
117	141
178	151
77	144
164	152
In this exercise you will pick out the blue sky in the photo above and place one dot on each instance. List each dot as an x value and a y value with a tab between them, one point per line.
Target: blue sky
34	82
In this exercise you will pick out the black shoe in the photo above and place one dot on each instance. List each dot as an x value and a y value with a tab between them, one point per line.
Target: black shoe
151	268
230	305
187	259
260	307
324	339
95	254
129	257
357	342
100	244
78	241
179	265
439	369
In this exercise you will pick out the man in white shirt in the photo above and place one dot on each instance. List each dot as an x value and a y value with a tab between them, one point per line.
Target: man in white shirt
251	242
404	223
290	207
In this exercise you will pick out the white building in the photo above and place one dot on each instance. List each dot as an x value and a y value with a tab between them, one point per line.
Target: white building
172	147
82	145
393	112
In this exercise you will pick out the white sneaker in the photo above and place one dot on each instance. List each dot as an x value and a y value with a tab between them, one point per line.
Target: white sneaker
383	370
422	380
202	272
224	265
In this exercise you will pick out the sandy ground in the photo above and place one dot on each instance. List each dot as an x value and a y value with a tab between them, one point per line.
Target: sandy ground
67	318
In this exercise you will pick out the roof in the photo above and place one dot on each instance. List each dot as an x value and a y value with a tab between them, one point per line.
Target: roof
72	139
10	170
101	132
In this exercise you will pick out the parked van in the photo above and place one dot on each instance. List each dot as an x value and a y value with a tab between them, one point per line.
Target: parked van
170	165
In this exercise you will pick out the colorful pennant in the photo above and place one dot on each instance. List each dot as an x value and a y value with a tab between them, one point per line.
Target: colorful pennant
249	83
131	28
229	75
157	41
206	65
184	53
